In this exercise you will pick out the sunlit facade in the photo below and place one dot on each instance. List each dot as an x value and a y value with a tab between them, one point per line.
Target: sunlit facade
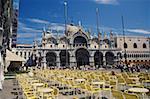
79	48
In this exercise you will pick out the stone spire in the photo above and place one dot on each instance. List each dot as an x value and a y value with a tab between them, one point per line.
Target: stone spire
105	35
80	24
111	35
99	36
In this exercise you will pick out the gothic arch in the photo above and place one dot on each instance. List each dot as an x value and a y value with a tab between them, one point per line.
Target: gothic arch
51	59
109	58
98	58
82	57
64	58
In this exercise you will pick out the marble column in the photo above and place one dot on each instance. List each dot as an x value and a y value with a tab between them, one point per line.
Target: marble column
91	58
44	60
58	59
104	59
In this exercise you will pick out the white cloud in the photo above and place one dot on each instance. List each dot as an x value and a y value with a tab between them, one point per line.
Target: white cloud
21	24
25	35
59	27
24	28
38	21
112	2
28	29
142	31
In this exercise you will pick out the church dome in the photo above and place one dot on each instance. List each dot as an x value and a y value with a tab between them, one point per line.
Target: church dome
72	29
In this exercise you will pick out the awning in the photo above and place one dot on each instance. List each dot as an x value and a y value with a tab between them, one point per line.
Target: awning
13	57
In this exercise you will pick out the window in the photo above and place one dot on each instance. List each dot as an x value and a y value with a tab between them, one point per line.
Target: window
129	60
50	45
17	53
132	55
95	46
144	45
141	60
135	55
125	45
63	45
116	45
134	45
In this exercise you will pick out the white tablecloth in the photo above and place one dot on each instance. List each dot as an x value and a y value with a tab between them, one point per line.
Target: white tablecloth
141	90
45	90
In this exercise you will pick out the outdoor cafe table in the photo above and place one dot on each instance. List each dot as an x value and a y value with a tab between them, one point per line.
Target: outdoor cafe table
35	85
33	81
44	90
98	83
69	78
139	90
80	80
60	76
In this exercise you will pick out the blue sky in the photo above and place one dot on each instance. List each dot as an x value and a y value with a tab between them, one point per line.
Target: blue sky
35	14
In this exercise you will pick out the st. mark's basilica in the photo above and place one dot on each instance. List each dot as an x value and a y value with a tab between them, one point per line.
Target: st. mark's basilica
78	48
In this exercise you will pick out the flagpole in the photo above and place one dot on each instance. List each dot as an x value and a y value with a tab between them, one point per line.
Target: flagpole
125	54
65	16
97	21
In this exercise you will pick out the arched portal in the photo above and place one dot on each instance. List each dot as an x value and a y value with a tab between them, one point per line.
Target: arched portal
51	59
64	58
98	58
82	57
109	58
80	40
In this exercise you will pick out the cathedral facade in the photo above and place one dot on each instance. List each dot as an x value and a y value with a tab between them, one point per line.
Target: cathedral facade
78	48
